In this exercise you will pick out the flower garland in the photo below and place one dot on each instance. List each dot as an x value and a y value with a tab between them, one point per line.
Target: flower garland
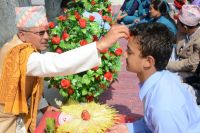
80	26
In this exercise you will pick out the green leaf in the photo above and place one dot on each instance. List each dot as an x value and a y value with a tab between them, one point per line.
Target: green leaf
72	17
84	92
79	84
58	78
90	73
62	44
84	31
91	89
50	125
96	94
74	81
88	6
63	93
86	80
99	71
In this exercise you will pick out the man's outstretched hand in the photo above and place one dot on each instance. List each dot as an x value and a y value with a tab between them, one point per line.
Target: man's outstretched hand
116	32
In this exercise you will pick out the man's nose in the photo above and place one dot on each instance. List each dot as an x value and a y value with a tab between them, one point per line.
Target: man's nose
46	36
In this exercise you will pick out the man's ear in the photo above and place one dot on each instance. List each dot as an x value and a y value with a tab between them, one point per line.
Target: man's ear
149	62
21	36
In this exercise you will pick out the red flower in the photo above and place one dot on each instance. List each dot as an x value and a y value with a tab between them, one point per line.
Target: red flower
82	23
83	42
65	35
77	15
108	76
65	83
59	50
62	18
104	51
95	38
51	25
70	91
109	8
85	115
107	18
91	18
95	68
93	2
89	98
55	40
118	51
100	12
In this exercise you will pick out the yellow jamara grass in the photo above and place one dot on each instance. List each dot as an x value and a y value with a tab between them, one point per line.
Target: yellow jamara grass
102	117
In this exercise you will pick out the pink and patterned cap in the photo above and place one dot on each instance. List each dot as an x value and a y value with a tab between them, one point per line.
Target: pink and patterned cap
190	15
29	17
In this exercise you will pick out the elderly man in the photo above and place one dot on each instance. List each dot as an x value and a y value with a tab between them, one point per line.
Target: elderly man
22	67
188	42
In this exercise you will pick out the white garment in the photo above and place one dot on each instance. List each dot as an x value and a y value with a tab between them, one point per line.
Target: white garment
53	64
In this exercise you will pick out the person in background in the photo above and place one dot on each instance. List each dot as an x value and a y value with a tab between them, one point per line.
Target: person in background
131	10
188	43
159	12
168	105
23	67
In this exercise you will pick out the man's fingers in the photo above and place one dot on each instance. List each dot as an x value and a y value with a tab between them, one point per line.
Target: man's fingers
121	29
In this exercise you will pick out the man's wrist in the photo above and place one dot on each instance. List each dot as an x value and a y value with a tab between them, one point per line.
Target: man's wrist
99	45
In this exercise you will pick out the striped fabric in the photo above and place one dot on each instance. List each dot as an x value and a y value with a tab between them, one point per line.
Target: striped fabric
28	17
190	15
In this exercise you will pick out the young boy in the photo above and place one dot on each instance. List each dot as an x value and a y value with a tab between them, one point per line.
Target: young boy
168	105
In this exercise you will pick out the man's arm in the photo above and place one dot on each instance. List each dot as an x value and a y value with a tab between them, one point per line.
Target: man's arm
76	60
54	64
185	65
189	64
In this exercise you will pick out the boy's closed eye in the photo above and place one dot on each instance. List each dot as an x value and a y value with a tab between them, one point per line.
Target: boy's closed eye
129	51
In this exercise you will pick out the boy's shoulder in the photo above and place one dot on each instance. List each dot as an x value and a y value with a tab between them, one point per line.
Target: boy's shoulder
168	90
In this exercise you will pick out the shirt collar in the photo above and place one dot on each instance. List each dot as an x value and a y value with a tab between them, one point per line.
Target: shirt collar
147	85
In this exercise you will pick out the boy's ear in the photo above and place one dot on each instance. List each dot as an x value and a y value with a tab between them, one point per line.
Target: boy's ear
150	62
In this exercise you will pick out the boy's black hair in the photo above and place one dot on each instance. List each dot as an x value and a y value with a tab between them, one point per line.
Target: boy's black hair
154	39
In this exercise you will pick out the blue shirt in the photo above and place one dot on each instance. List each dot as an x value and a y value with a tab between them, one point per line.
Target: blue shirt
167	23
130	6
168	106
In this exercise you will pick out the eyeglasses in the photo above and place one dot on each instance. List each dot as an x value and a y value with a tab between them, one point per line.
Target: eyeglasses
40	33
